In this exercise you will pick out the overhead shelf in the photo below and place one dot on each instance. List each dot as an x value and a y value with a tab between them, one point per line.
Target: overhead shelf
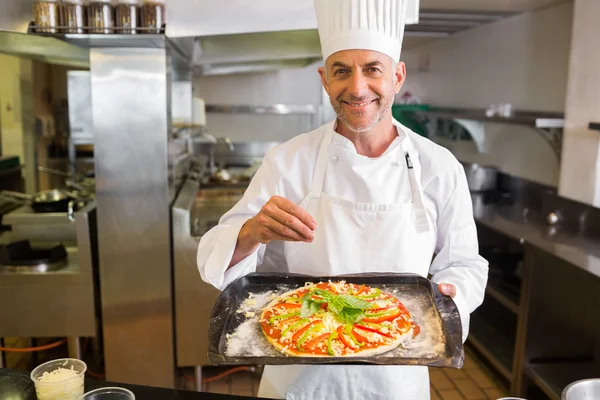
536	119
275	109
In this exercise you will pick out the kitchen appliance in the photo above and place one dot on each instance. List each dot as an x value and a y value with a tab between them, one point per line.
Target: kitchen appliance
480	178
21	256
47	273
585	389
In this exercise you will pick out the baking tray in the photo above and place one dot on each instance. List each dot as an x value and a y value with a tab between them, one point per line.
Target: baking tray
235	336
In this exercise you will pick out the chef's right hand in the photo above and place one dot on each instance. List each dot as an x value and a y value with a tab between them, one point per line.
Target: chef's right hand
280	219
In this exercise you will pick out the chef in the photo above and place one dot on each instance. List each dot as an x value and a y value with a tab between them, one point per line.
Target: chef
360	194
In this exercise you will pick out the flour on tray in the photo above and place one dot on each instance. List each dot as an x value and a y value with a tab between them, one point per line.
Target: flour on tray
248	340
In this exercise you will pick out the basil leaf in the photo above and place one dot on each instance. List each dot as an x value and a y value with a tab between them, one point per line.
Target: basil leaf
325	294
351	315
335	306
354	302
309	307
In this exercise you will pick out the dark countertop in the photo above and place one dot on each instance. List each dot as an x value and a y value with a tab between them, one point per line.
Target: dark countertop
15	384
580	251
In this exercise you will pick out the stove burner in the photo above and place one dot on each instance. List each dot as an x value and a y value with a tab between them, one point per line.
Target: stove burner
22	257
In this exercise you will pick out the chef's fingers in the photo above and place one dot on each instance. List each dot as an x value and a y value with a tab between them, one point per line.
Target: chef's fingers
447	289
289	220
295	210
271	229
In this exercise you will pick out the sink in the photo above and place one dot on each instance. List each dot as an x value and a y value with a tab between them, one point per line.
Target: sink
212	201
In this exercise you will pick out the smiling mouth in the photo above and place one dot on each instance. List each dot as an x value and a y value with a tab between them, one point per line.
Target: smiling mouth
357	105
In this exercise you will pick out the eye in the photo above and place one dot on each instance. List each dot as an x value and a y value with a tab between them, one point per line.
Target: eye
373	70
340	71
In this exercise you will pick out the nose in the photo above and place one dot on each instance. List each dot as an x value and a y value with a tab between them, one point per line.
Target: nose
357	84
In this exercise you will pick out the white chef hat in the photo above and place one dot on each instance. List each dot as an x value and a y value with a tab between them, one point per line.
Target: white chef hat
364	24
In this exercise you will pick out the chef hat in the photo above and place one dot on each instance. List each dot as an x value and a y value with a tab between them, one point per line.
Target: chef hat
364	24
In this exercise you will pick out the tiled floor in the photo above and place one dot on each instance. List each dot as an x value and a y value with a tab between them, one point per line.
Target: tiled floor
472	382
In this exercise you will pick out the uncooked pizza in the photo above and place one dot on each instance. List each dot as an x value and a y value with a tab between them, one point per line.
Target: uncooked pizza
336	319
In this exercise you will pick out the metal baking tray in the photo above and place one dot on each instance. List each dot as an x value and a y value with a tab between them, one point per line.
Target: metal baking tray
235	336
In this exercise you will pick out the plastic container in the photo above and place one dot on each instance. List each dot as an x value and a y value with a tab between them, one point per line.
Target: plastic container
73	16
100	16
585	389
65	389
127	16
153	15
46	15
109	393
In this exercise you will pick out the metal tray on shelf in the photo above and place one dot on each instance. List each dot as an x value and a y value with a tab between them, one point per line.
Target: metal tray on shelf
236	338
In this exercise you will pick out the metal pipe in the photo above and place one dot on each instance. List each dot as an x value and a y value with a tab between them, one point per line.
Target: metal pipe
74	347
198	377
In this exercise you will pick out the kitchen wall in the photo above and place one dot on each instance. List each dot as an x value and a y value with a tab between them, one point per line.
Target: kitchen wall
299	86
522	60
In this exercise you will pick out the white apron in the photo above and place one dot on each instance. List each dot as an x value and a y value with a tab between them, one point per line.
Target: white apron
352	238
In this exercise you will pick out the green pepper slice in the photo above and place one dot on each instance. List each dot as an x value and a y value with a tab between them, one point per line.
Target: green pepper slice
283	316
331	337
297	324
372	296
307	334
349	333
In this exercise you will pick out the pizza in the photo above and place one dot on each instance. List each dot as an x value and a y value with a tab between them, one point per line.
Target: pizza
336	319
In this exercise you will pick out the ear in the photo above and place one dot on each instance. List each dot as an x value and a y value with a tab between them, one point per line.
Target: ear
400	76
322	72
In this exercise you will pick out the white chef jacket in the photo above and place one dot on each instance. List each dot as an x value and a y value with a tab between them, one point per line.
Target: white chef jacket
287	171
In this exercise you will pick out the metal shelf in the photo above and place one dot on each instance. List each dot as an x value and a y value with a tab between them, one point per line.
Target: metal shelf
541	120
553	378
497	349
274	109
503	297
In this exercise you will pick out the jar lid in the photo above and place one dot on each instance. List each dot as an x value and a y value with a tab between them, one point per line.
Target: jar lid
134	2
75	1
154	1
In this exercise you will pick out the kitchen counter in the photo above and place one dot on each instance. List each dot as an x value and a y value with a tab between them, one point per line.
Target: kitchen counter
580	251
15	384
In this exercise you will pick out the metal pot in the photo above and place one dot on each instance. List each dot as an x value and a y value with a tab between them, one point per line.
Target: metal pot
480	178
585	389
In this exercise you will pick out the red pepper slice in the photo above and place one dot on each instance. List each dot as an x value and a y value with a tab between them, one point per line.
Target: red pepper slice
289	305
359	337
340	332
384	317
372	310
301	331
366	328
314	342
416	330
360	289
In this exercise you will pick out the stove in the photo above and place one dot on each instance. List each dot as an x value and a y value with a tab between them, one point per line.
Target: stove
22	256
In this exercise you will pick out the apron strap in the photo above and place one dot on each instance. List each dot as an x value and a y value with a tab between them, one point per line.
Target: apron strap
421	221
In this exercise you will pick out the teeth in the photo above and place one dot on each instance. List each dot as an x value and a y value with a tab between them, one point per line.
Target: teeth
359	104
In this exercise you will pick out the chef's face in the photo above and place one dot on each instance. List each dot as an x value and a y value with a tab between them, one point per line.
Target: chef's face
361	85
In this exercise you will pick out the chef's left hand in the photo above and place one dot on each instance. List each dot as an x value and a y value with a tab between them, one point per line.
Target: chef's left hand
447	289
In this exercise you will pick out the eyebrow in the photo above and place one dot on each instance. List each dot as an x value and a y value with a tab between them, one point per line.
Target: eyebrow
340	64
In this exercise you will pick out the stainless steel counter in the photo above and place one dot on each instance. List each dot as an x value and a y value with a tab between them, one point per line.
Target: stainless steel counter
580	251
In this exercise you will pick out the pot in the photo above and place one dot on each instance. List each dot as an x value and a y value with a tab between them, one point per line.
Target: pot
480	178
585	389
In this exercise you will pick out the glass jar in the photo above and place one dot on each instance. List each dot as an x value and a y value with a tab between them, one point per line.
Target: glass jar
100	16
73	16
153	15
127	16
46	15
